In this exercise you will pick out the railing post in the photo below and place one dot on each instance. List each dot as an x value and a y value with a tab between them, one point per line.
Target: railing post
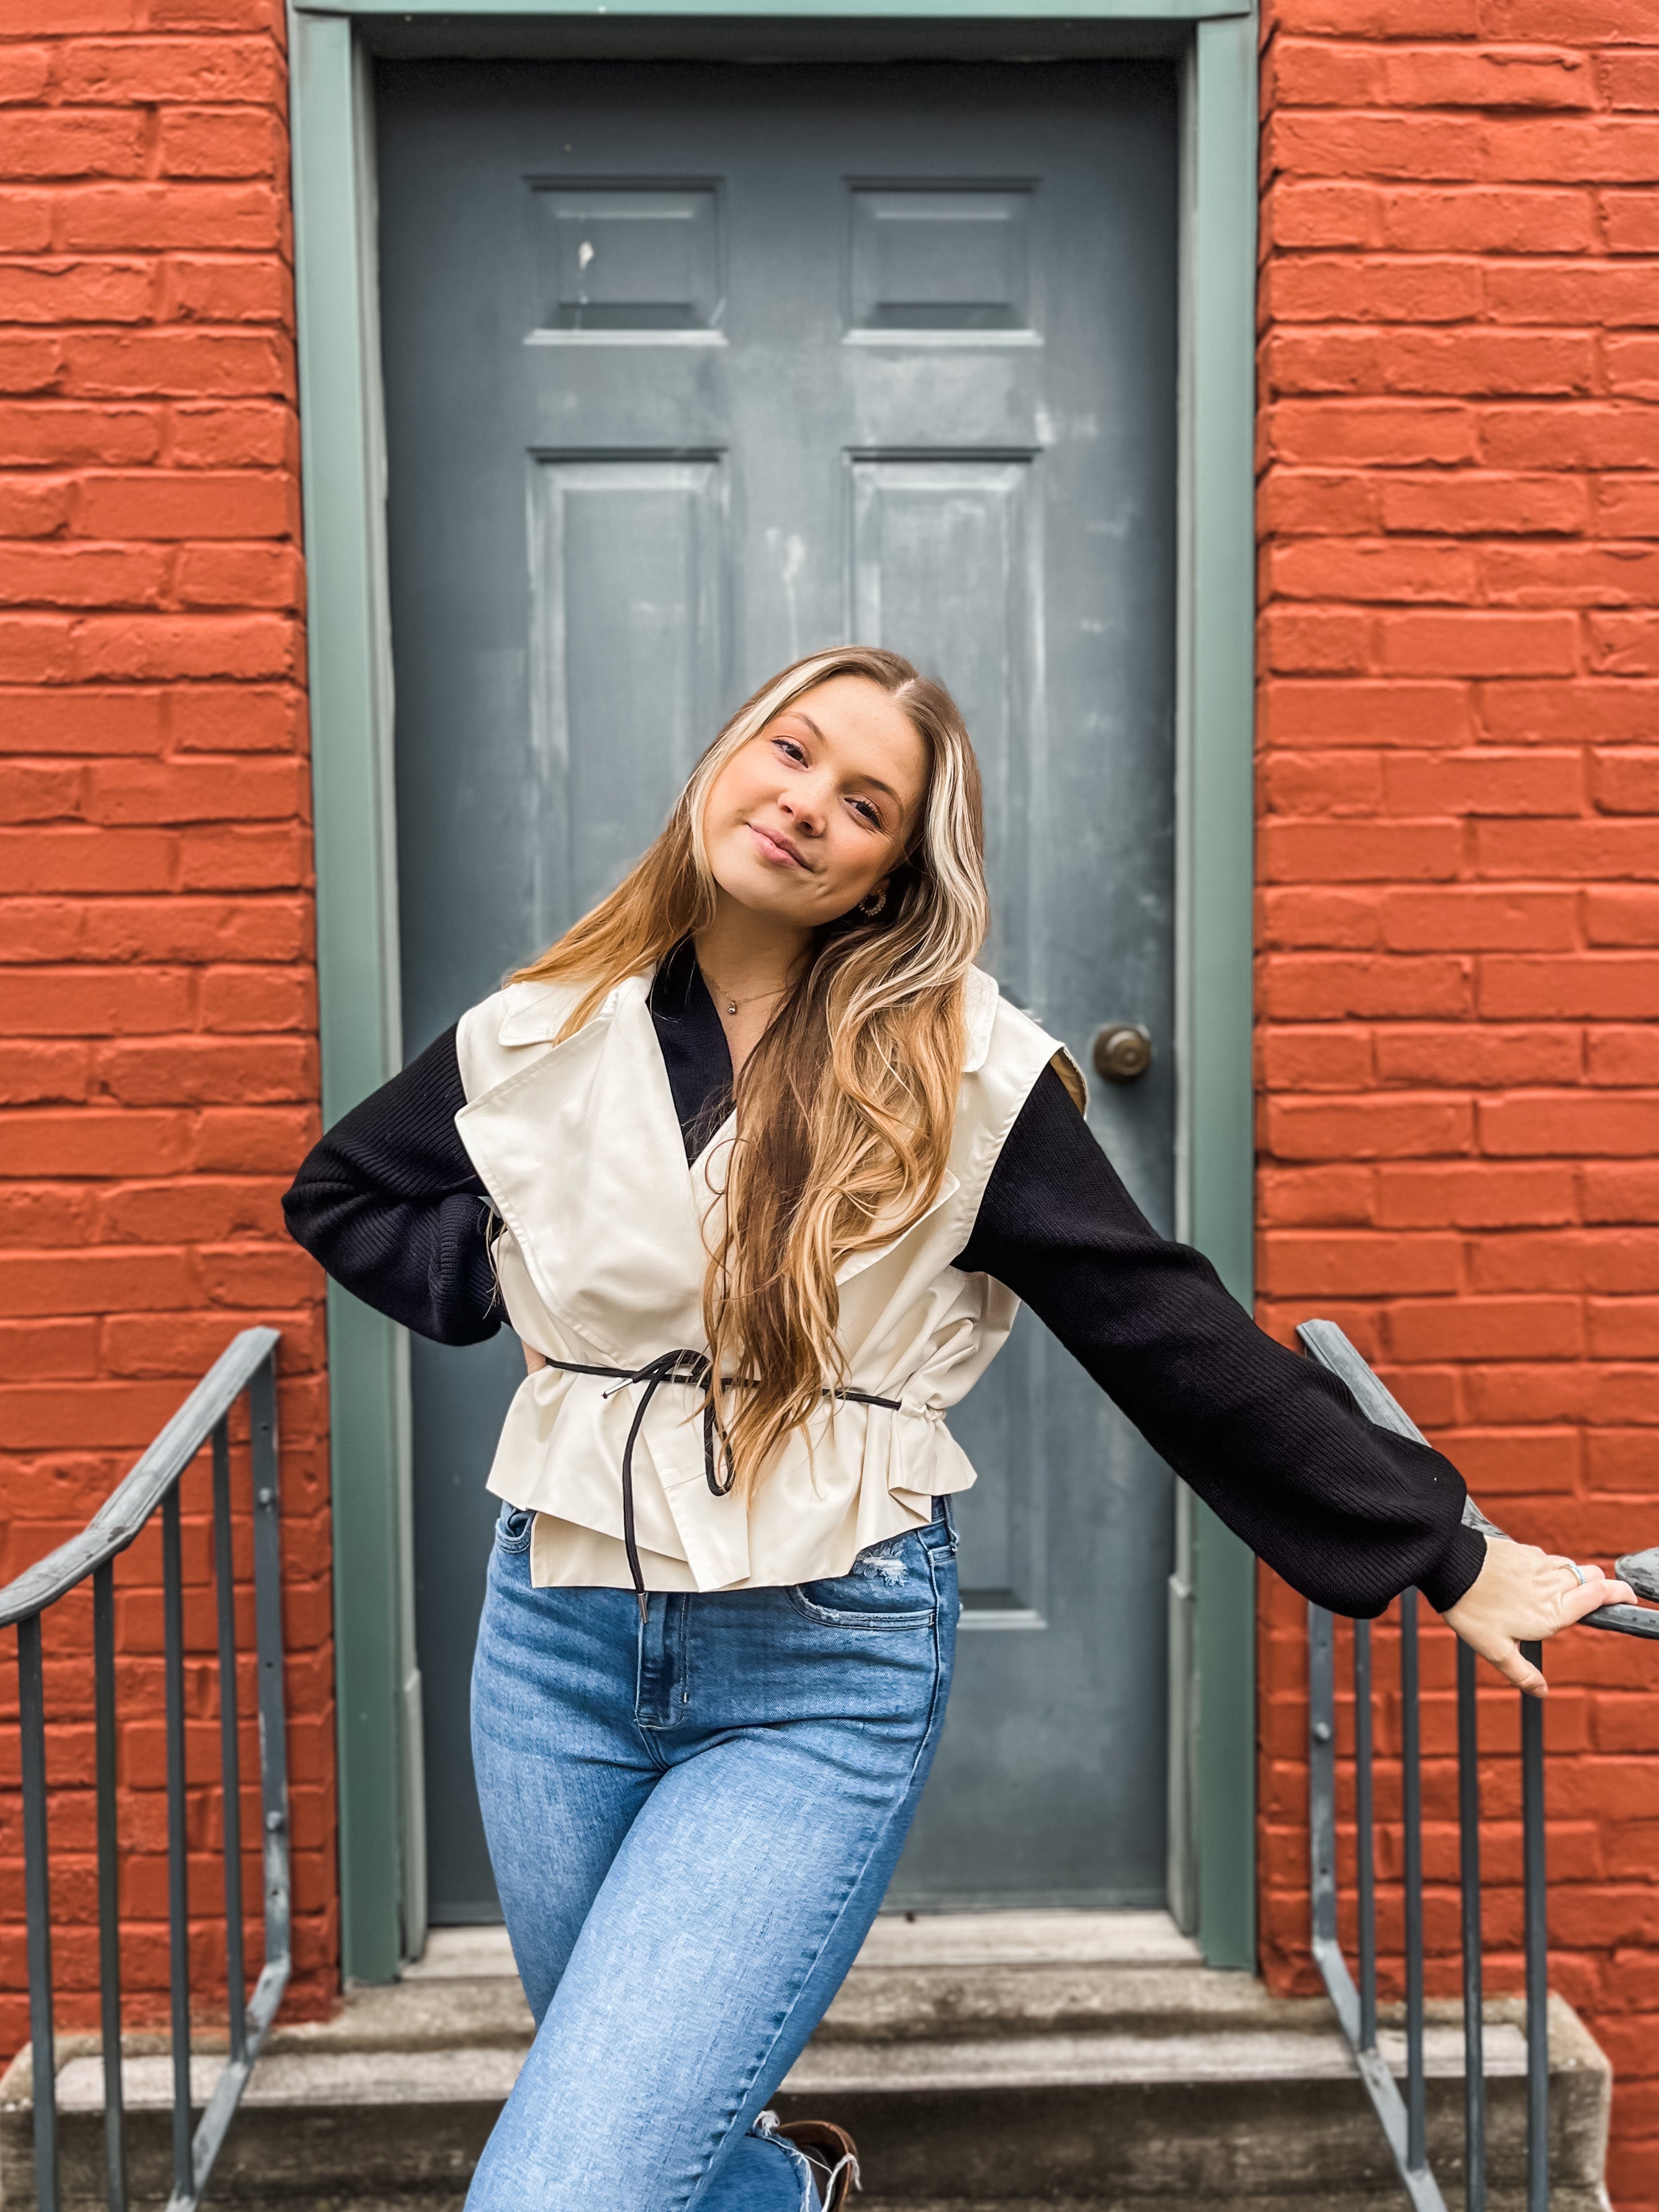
184	2172
109	1887
37	1895
268	1622
1365	1832
1537	1944
230	1763
1468	1841
1321	1772
1410	1763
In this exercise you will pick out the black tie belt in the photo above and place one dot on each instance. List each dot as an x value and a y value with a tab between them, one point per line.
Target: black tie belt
695	1370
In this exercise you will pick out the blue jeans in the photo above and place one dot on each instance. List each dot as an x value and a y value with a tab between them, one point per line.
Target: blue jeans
693	1819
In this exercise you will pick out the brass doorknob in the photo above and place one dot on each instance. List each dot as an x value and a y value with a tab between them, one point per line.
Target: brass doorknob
1123	1052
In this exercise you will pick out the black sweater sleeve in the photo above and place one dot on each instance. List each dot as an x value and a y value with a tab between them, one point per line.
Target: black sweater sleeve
1348	1513
390	1203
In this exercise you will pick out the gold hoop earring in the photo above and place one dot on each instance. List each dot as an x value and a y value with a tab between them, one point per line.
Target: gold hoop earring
873	903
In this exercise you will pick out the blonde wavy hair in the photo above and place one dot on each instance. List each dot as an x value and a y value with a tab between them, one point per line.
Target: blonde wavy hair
845	1108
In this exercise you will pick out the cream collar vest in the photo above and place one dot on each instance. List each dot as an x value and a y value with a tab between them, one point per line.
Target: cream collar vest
601	1261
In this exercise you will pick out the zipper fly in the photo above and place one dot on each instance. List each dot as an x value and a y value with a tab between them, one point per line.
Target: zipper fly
662	1689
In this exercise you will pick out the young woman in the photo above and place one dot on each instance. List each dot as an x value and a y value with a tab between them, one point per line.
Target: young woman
758	1165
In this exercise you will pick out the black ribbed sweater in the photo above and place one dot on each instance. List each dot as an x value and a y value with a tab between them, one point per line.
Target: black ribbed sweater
1349	1514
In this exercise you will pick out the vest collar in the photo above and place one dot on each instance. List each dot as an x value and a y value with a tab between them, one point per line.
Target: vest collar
534	1013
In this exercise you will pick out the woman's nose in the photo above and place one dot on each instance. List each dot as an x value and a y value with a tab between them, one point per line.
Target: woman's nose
804	807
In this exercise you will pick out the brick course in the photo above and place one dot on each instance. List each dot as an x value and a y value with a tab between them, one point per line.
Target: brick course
157	959
1459	839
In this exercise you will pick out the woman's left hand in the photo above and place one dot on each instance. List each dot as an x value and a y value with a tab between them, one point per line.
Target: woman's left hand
1524	1596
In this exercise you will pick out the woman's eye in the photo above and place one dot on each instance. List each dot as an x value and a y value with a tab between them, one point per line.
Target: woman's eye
870	813
788	746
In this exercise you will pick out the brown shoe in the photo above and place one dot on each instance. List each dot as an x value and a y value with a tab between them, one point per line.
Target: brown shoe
831	2154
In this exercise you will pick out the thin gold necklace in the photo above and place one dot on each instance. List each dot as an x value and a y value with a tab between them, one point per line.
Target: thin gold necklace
733	1005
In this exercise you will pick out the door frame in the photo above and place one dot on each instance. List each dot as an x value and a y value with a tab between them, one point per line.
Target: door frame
331	47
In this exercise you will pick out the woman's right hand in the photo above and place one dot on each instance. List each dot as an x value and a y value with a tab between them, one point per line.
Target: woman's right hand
533	1358
1524	1596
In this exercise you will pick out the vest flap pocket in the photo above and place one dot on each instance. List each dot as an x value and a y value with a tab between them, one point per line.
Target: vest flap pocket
713	1532
561	1453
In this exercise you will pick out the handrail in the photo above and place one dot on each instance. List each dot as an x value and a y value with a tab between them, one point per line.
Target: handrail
249	1365
1327	1344
1404	2120
141	1490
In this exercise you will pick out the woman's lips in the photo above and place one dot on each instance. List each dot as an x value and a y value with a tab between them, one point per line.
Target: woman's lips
773	849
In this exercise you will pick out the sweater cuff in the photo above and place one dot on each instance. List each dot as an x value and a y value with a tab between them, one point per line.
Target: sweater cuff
1455	1570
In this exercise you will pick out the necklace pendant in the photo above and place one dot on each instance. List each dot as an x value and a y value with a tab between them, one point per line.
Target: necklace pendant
730	1006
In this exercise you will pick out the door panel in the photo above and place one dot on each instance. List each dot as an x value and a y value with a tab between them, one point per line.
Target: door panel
690	370
626	571
947	551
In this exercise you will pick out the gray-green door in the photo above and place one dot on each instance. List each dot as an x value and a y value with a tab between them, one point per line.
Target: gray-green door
690	370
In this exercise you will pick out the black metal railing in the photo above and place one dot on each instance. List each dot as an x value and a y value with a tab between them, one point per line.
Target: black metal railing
1404	2120
249	1365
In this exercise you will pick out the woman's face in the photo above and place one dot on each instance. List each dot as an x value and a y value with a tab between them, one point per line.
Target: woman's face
811	814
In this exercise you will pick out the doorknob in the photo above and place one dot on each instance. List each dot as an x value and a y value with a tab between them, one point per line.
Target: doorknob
1123	1052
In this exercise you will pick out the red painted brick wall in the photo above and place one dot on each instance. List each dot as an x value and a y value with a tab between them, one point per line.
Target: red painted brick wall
1459	861
158	1074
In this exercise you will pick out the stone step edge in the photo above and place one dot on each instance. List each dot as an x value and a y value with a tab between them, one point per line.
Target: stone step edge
987	2067
378	2023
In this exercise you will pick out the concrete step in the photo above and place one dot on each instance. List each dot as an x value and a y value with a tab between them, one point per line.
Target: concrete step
1184	2113
995	2060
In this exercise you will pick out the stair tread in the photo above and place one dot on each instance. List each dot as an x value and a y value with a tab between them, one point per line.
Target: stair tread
1199	2056
988	2064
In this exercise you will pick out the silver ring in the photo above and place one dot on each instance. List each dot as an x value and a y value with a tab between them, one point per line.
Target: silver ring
1579	1571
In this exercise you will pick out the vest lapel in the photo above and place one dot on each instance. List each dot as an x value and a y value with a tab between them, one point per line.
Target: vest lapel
581	1153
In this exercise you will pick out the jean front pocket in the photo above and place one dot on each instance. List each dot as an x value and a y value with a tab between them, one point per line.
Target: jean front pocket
513	1528
889	1586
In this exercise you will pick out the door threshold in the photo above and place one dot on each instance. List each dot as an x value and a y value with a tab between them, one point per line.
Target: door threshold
1030	1936
480	1954
909	1939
